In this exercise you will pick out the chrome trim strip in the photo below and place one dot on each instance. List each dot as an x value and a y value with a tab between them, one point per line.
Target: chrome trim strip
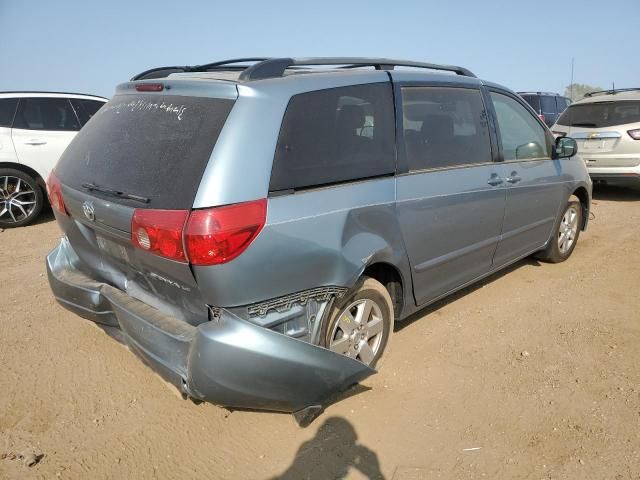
594	135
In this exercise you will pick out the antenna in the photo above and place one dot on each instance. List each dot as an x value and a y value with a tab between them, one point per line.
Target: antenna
571	84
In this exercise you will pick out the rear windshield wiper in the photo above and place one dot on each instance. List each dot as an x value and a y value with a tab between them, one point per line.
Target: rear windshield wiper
592	125
115	193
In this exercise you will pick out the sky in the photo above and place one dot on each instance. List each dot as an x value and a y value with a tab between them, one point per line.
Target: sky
90	47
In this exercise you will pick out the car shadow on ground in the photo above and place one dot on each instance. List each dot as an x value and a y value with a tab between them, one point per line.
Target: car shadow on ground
423	312
333	453
45	216
616	194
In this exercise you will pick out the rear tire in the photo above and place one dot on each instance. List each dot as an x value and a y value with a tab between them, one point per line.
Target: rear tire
361	323
21	198
565	234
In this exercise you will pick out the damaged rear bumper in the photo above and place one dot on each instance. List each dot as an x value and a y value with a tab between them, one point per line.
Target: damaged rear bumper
227	361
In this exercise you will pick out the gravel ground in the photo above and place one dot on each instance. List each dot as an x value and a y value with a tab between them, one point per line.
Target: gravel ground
531	374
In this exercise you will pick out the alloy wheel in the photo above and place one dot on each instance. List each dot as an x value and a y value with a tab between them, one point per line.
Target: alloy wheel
17	199
359	331
568	230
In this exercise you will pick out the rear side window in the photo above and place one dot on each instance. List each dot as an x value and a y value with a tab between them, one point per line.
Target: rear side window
548	104
601	114
444	127
533	100
7	111
522	136
85	108
335	135
154	146
54	114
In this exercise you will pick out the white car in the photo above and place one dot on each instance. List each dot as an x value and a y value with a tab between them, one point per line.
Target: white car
35	128
606	126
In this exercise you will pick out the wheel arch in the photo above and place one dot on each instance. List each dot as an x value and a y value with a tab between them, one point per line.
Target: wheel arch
29	171
391	278
583	196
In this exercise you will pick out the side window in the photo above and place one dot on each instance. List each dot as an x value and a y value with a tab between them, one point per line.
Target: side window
521	135
46	114
7	111
444	127
85	108
335	135
548	104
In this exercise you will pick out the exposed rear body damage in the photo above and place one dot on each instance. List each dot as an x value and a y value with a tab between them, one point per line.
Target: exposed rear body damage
227	360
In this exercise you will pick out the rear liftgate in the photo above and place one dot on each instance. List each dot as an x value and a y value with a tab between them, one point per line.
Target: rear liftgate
227	361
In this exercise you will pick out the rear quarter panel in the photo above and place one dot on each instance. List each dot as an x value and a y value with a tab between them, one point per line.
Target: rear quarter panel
321	237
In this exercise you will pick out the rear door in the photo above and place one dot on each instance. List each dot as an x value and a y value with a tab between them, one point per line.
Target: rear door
451	198
42	129
152	148
534	180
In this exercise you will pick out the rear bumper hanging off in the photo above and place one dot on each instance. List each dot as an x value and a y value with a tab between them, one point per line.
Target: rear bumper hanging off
227	361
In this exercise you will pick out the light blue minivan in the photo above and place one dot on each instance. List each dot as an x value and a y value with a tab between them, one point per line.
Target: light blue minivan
255	226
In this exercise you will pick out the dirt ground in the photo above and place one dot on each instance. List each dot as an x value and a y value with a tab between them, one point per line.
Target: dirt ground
532	374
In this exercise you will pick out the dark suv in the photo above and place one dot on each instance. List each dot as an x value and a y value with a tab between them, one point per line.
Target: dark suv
255	228
548	106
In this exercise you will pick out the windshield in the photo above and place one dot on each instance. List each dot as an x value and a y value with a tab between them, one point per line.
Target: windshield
152	146
601	114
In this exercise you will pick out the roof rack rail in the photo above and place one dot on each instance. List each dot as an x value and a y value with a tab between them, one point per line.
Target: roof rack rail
162	72
611	92
275	67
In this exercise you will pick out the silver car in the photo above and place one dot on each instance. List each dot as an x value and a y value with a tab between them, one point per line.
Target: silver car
255	227
606	126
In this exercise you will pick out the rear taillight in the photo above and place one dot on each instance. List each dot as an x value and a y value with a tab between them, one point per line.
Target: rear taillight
541	117
159	232
635	134
204	237
218	235
54	191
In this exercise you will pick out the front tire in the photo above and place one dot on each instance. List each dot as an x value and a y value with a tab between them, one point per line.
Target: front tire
21	198
565	236
361	323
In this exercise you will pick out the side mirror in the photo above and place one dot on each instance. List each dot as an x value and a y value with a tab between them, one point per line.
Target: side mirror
565	147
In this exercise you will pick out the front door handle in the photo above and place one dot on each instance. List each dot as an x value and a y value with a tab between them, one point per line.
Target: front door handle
35	142
513	178
495	180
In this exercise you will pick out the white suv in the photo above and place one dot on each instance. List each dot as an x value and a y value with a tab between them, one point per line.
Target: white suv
35	128
606	126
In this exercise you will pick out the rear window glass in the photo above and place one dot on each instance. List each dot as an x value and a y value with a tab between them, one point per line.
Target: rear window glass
154	146
335	135
601	114
7	111
533	100
548	104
